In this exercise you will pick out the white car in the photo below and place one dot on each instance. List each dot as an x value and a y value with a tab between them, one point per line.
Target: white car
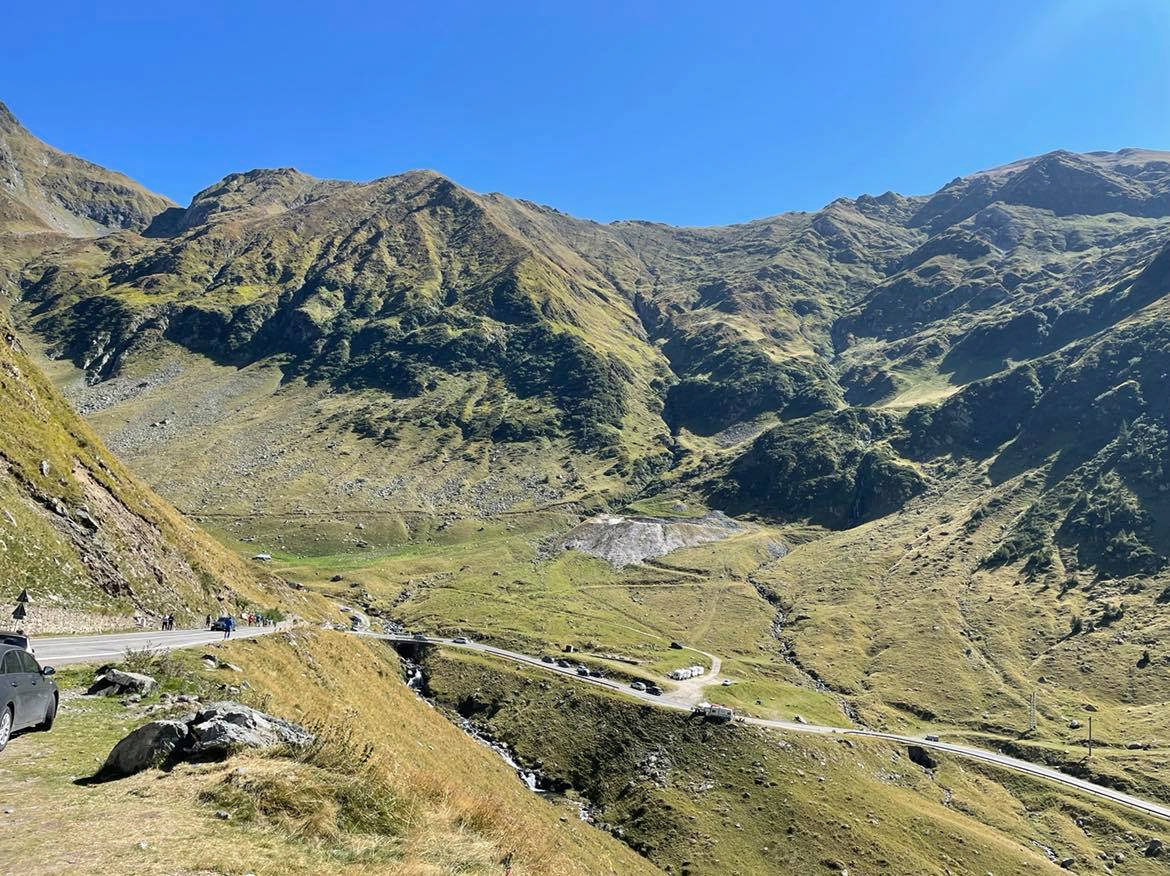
726	682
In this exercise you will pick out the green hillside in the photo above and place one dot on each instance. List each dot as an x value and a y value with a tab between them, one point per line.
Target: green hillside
90	544
939	423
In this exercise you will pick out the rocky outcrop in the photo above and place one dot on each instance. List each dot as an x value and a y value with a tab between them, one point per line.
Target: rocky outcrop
623	541
216	730
111	682
149	746
221	728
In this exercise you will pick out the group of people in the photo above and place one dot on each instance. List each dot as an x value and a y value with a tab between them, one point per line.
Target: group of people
251	619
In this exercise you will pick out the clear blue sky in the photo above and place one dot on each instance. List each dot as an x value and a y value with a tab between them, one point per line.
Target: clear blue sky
691	113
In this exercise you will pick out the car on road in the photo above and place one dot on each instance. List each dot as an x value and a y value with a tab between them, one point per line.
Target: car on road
581	670
637	685
678	646
563	664
547	659
19	640
28	694
596	673
220	624
419	637
654	691
930	737
460	640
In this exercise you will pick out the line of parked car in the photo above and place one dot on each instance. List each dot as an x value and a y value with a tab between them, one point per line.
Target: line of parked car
561	663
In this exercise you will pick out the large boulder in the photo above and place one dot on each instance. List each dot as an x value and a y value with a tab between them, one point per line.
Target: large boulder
214	731
149	746
223	727
112	682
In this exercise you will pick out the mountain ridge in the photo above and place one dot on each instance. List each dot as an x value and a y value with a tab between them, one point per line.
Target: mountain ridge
45	190
476	322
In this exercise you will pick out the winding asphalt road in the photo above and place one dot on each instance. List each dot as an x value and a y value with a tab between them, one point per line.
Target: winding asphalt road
684	701
61	650
89	649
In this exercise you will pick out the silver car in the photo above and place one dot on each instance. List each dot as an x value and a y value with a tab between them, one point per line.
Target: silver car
28	694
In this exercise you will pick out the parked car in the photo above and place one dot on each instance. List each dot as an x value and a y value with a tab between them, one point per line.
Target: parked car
726	682
637	685
460	640
930	737
676	645
221	623
654	691
419	637
596	673
564	664
547	659
19	640
581	670
28	694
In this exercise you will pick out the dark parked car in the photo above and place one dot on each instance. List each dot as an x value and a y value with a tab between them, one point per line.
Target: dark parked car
20	640
221	623
28	695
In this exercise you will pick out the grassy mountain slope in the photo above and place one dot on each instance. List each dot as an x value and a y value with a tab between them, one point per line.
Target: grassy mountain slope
90	543
393	788
45	190
701	799
949	411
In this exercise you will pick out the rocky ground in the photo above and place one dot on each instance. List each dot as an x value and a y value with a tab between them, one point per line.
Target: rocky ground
624	541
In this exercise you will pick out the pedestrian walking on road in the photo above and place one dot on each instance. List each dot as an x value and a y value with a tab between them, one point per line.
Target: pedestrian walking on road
228	627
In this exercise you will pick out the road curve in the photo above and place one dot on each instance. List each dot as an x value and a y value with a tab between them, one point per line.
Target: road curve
61	650
88	649
667	701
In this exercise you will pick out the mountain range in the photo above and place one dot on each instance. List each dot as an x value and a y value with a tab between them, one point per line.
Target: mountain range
807	366
940	422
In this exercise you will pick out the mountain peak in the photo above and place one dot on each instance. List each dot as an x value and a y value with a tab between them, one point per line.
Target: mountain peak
8	121
44	189
262	191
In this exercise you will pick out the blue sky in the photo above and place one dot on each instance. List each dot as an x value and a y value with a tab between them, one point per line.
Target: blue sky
690	113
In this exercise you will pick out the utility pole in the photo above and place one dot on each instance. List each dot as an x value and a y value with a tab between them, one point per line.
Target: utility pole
1032	713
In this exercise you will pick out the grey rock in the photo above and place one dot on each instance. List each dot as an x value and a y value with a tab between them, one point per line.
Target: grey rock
115	682
221	728
623	541
215	730
148	746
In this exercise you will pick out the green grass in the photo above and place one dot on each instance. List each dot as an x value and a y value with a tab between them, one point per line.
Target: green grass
713	798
